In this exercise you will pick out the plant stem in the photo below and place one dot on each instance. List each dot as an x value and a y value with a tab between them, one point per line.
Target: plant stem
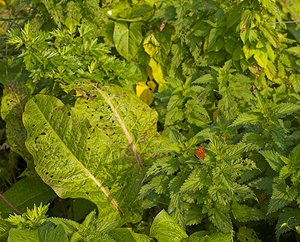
9	204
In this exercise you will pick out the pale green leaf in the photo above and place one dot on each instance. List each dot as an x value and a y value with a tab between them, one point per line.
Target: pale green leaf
127	39
127	235
17	235
207	78
294	50
164	228
261	58
270	34
50	232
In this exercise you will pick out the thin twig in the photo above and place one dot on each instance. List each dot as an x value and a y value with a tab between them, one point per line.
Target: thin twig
11	19
9	204
286	22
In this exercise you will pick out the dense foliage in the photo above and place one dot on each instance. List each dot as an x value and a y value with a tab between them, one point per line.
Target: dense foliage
127	120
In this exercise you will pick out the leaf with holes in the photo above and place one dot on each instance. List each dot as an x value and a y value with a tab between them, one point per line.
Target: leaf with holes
15	96
93	150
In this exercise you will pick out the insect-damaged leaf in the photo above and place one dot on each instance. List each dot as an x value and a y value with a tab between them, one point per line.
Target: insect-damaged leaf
15	96
94	150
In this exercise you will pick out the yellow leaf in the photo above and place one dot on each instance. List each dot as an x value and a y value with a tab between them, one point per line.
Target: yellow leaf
152	85
144	93
157	71
151	45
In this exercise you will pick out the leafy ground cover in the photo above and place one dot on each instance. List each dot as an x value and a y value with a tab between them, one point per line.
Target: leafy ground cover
150	120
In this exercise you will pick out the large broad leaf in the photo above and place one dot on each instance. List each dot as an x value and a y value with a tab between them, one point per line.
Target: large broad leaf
94	150
127	39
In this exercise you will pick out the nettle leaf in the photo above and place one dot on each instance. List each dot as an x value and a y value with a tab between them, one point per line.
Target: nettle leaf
205	236
164	228
221	219
244	213
273	158
126	234
282	195
246	234
92	151
127	38
247	118
295	155
285	109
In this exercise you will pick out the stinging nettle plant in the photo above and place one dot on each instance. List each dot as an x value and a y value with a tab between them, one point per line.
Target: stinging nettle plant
225	79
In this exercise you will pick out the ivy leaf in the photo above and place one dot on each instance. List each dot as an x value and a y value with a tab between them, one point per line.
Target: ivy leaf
127	39
164	228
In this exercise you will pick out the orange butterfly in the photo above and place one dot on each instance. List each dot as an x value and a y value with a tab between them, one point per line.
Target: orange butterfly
200	153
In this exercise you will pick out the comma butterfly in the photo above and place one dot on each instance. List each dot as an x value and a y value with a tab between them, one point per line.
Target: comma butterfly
200	153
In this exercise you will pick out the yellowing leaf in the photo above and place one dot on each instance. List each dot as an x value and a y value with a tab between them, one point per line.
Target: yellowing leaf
261	58
157	71
144	93
151	45
152	85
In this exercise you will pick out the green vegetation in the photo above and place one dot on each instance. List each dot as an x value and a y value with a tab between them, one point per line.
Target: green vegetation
149	120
